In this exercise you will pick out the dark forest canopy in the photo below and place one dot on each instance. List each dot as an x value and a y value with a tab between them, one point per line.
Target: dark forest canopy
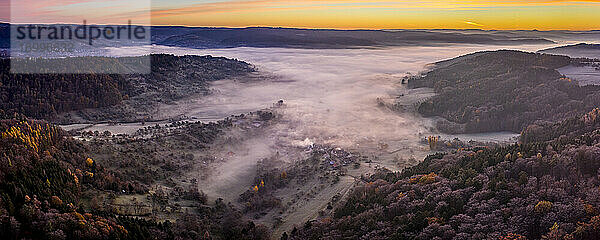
579	46
198	37
582	50
43	96
48	183
215	37
543	188
503	91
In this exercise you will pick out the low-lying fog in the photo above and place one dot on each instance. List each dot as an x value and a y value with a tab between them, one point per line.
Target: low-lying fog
332	93
330	96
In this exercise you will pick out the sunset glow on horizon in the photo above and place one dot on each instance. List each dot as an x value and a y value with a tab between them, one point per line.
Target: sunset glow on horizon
335	14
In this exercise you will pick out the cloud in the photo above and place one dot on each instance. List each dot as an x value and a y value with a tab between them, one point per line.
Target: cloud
473	24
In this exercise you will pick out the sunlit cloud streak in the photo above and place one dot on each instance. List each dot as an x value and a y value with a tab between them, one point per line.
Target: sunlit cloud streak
473	24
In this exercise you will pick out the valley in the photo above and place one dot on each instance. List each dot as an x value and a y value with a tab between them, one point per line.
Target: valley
284	140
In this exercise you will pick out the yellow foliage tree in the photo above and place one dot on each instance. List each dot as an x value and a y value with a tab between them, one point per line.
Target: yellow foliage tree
89	162
400	195
432	142
33	135
427	179
513	236
423	179
56	201
554	227
592	116
590	210
543	206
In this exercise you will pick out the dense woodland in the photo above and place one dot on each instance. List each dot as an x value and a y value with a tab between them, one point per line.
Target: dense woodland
4	36
49	181
42	175
47	177
503	91
545	187
43	96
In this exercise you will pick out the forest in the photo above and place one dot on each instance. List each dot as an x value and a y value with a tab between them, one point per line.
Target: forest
4	36
544	187
502	91
44	96
47	179
53	186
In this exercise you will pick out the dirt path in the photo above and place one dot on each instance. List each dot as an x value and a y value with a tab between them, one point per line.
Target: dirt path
308	208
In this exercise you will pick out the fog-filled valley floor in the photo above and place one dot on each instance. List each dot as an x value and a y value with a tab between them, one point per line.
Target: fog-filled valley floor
270	143
332	98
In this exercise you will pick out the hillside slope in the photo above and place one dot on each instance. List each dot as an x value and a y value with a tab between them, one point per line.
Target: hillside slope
50	189
198	37
45	96
580	50
502	91
543	188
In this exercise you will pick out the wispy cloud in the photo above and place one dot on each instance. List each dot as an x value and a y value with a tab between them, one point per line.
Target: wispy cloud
473	24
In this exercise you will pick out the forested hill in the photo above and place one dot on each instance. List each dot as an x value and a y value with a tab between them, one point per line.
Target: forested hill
50	188
43	173
502	91
201	37
209	37
43	96
579	46
4	35
544	188
581	50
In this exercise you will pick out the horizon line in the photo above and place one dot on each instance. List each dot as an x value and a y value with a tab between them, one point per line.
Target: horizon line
316	28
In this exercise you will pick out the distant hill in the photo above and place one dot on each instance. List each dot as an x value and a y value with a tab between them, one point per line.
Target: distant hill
579	46
502	91
323	38
208	37
4	35
581	50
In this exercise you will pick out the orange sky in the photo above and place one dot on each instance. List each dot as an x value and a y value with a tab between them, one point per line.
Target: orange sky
343	14
384	14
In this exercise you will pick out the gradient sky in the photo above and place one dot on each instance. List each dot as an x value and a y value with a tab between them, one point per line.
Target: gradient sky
342	14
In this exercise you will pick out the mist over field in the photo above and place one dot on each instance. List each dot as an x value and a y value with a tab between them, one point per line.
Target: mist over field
332	97
331	94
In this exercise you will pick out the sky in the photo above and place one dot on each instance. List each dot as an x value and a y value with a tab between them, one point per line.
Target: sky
338	14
